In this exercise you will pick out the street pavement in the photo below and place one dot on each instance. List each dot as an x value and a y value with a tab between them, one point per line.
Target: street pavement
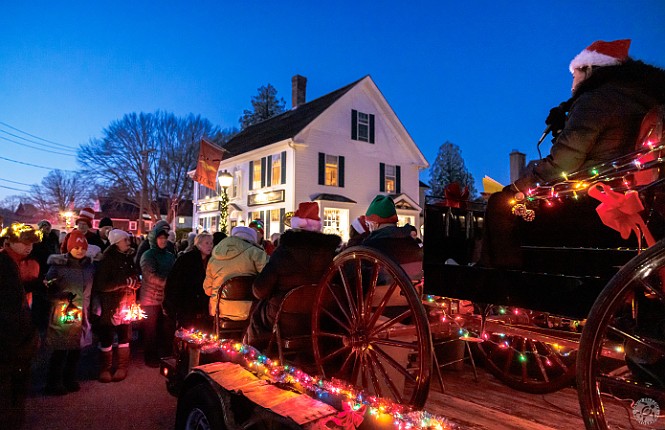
139	402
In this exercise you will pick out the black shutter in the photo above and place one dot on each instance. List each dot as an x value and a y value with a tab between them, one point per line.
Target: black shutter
340	172
322	168
283	168
354	124
263	172
282	213
382	177
398	179
371	128
269	171
266	225
251	175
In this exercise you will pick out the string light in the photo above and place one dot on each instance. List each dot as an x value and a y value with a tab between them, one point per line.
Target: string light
401	416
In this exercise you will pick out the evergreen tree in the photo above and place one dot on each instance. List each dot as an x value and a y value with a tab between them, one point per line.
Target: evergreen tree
449	167
265	105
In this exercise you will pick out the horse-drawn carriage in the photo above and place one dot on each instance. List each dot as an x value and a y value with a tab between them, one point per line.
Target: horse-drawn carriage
594	316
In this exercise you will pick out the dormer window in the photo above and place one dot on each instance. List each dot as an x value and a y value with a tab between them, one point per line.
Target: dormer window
362	126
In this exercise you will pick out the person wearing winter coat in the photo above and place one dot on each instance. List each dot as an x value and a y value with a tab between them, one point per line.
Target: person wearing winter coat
302	257
144	245
267	245
184	299
103	229
18	337
84	225
41	251
156	264
611	93
391	240
114	288
70	278
237	255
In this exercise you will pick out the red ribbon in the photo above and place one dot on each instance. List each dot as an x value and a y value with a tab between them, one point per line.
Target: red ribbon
348	419
621	212
455	195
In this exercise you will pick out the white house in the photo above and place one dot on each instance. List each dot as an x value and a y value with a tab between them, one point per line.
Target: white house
339	150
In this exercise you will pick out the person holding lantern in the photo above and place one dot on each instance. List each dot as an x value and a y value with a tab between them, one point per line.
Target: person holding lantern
18	337
69	281
114	290
611	93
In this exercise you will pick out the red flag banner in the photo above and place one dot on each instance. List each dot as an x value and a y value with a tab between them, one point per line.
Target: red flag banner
208	163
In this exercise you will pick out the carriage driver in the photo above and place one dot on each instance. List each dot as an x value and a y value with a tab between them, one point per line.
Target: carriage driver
611	93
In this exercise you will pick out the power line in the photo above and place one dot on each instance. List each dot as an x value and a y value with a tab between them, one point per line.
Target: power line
37	148
33	165
14	182
45	145
36	137
14	189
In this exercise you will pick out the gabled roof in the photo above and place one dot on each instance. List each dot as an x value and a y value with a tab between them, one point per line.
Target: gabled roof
283	126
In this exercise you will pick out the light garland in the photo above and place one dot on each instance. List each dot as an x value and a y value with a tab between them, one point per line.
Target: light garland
355	401
618	174
133	313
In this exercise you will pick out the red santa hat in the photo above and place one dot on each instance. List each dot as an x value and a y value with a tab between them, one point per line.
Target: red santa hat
307	217
86	215
360	224
76	240
601	53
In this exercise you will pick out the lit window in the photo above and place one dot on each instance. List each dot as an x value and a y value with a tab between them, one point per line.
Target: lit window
332	170
390	179
256	175
276	177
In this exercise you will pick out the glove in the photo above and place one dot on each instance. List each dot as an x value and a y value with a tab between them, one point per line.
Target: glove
556	120
133	283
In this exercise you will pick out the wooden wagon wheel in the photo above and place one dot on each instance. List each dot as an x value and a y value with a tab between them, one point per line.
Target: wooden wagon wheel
369	328
621	361
526	364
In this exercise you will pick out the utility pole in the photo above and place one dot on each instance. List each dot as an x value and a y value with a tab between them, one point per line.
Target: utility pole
144	180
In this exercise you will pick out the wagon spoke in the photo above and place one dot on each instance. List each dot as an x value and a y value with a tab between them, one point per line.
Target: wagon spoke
391	322
335	335
523	359
353	356
555	357
638	339
394	363
337	320
651	290
334	353
384	301
509	360
370	295
357	366
372	375
539	361
395	343
359	290
386	377
339	304
347	293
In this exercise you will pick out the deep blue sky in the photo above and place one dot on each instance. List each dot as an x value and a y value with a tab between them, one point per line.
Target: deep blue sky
480	74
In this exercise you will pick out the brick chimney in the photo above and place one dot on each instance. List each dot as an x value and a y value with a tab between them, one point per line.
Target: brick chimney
517	164
298	90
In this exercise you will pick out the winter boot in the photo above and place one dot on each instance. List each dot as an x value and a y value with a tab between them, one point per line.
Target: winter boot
69	378
54	386
123	363
106	361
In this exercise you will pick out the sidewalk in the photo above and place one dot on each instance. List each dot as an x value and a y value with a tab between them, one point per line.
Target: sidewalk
139	402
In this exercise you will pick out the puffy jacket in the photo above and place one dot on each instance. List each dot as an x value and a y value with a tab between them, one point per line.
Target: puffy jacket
69	276
110	285
604	119
156	264
184	297
397	243
231	257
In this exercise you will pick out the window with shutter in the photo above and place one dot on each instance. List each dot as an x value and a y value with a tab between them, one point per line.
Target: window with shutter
362	126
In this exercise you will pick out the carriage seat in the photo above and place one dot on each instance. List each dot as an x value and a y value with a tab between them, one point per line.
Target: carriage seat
234	305
292	329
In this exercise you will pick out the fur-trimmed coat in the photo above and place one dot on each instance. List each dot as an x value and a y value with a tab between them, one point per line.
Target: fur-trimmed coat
110	285
605	114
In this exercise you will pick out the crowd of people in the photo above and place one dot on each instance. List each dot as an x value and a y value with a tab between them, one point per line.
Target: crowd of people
65	291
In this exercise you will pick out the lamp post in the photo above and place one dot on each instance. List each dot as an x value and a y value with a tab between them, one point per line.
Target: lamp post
225	180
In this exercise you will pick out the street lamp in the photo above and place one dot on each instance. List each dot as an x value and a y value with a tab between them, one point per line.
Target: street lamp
225	180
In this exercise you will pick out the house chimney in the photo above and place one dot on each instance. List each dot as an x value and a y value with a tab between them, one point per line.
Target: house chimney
517	164
298	90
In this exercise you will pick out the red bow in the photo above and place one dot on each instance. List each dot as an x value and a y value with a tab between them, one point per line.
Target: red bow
349	418
455	195
621	212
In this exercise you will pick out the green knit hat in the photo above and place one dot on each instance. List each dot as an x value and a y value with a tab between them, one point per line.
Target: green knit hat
382	210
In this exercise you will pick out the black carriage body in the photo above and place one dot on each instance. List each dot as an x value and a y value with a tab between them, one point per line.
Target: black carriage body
557	280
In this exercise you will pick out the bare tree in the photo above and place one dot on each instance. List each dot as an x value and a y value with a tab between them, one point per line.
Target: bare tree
59	191
169	145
